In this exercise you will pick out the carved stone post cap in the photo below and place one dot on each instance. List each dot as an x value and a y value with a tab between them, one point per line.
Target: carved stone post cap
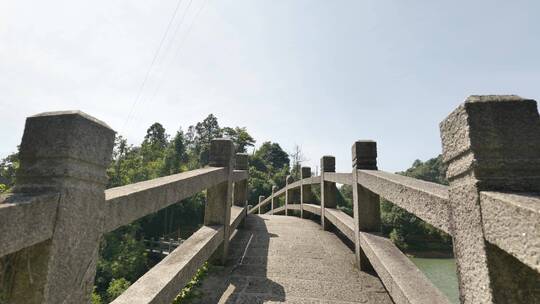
364	155
68	134
328	163
288	179
221	152
241	161
305	172
494	137
274	188
261	198
64	144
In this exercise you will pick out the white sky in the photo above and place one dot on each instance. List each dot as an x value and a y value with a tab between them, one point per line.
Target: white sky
320	74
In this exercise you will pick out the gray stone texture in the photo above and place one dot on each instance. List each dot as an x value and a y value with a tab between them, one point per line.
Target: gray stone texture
279	259
288	193
240	195
490	143
428	201
511	221
364	155
340	178
165	280
272	198
65	153
366	204
219	197
306	196
261	199
403	280
328	189
128	203
20	214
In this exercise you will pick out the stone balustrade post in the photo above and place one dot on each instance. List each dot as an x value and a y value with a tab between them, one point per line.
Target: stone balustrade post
66	153
274	189
288	193
219	197
261	199
328	189
366	204
161	241
306	196
490	143
240	195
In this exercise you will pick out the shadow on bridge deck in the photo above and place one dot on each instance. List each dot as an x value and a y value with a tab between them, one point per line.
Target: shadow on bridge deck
276	259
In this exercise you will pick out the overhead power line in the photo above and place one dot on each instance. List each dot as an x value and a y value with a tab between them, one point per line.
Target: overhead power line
156	54
178	49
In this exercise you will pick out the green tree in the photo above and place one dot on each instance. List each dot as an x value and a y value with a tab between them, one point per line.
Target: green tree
8	169
270	157
116	288
175	155
268	166
155	142
122	255
96	298
240	138
205	131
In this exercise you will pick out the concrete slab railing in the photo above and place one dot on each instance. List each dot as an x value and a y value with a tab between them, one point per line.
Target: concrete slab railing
53	221
491	145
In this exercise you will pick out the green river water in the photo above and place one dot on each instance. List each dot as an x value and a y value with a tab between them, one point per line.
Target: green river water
442	273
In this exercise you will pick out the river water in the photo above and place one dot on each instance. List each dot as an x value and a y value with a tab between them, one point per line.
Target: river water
442	273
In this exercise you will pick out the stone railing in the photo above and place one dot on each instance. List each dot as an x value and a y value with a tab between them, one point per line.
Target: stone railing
53	220
491	145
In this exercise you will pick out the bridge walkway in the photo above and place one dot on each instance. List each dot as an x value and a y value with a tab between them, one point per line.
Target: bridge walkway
284	259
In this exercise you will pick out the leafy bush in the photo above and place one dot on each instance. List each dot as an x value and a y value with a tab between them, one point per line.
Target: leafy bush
116	288
189	292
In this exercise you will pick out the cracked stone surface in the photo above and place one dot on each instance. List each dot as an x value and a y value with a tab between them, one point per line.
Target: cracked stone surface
281	259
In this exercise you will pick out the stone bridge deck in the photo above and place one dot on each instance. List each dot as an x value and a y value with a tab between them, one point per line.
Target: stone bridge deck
276	259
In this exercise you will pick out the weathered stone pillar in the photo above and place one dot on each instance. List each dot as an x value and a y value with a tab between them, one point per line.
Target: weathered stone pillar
305	190
261	198
67	153
366	204
490	143
241	187
219	197
288	193
274	189
328	189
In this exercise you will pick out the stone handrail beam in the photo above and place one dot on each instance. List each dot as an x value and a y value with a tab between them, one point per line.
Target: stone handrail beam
59	208
313	209
403	280
20	214
277	210
161	283
428	201
512	222
314	180
239	175
491	208
128	203
340	178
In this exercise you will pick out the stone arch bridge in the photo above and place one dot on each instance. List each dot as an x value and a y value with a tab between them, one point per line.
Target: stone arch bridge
52	222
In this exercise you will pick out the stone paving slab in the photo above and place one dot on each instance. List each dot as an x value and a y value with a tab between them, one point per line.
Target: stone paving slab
281	259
